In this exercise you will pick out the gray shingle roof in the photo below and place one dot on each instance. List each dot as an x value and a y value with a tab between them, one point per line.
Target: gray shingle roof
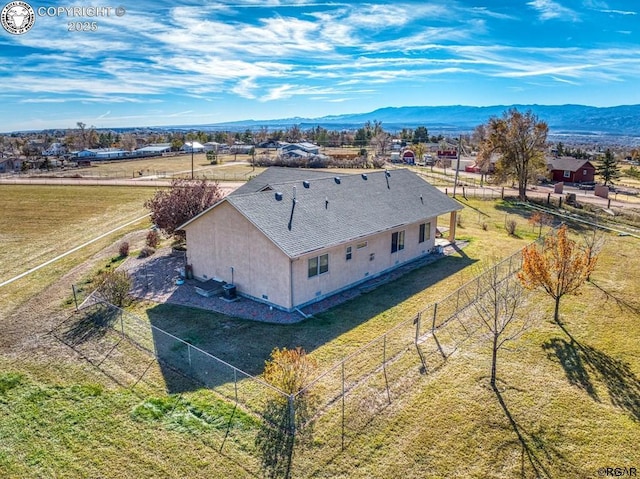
329	212
276	174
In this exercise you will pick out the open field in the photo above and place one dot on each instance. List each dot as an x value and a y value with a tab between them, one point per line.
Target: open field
38	223
570	401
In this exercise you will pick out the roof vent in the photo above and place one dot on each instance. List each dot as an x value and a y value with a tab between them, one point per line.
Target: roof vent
278	196
364	176
306	184
337	179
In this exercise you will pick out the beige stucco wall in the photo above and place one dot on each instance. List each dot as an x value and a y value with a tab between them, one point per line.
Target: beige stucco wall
260	269
343	273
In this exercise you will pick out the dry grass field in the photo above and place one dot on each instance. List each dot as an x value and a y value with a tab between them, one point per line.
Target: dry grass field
569	402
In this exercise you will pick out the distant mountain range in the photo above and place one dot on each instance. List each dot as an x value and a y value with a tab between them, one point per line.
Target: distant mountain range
562	119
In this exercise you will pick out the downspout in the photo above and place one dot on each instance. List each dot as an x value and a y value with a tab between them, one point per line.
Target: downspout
291	280
298	310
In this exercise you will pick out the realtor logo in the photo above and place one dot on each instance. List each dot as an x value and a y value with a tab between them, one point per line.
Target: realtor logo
17	17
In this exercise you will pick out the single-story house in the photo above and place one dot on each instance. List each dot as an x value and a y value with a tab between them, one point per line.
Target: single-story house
213	146
241	149
10	164
193	146
296	154
570	170
55	149
86	153
155	149
111	153
303	146
290	238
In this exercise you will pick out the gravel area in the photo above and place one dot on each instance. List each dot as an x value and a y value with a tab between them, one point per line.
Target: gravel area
155	279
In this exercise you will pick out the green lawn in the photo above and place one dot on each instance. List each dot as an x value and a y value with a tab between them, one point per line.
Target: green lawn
570	399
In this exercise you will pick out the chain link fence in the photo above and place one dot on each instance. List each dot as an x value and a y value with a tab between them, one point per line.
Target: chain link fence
343	400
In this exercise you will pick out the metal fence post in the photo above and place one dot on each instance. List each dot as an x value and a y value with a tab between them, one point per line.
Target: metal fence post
235	383
384	367
292	416
343	394
435	313
75	297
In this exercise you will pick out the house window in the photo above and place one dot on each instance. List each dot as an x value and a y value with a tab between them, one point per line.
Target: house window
425	232
397	241
318	265
361	245
349	253
584	172
372	256
567	174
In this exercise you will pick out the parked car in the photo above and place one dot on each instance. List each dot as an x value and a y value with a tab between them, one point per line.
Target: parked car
587	185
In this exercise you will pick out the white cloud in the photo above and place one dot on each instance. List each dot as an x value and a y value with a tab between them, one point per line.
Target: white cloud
619	12
549	9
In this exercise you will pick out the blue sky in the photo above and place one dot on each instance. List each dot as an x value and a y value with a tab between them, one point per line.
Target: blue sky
174	63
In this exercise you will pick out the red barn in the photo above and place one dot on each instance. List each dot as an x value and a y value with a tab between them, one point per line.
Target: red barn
571	170
409	157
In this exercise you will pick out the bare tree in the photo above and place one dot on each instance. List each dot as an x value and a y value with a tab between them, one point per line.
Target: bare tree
381	142
520	140
85	137
540	219
501	313
128	142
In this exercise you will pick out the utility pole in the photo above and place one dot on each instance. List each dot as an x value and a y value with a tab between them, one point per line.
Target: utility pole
192	159
455	180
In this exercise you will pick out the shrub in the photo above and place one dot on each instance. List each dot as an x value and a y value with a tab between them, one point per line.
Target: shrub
459	220
115	286
153	239
123	249
146	252
511	226
485	226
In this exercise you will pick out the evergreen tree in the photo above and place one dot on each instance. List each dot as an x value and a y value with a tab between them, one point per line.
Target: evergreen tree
608	169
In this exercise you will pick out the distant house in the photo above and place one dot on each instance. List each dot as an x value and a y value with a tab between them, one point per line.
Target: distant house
212	146
155	149
86	153
289	238
10	164
241	148
306	147
55	149
409	157
570	170
193	146
110	154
